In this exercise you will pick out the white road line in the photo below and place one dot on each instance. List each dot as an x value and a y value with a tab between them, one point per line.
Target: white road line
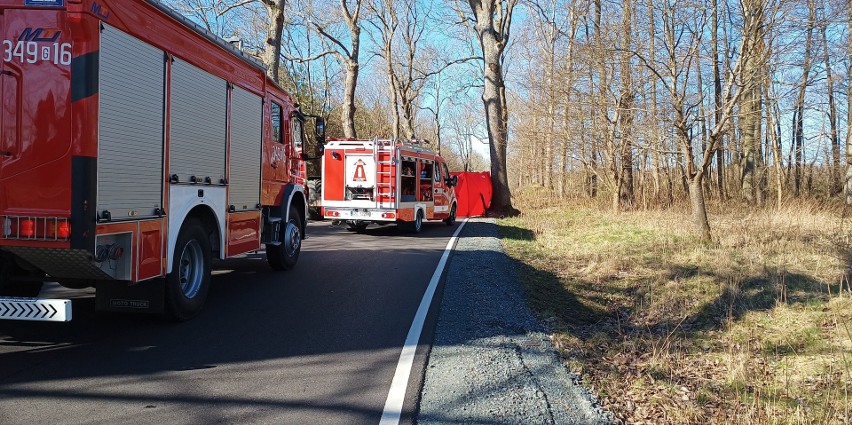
393	405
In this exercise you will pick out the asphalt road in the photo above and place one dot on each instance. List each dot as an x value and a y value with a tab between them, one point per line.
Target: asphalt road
317	344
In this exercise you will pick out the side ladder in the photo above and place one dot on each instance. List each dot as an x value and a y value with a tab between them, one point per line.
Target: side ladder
385	184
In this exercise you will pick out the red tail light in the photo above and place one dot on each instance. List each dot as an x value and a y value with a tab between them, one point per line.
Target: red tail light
64	230
35	228
27	228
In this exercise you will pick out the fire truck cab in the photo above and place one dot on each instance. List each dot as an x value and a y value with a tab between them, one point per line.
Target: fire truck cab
386	181
135	147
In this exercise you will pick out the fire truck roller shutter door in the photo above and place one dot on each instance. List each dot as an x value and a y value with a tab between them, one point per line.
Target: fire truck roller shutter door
246	139
130	117
198	124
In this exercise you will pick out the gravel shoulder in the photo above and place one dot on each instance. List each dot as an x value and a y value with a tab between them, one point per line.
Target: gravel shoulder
491	361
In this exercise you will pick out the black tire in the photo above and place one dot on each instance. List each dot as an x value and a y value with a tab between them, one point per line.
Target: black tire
452	218
417	225
189	281
286	255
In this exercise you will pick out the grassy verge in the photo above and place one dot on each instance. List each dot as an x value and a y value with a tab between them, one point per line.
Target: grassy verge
751	328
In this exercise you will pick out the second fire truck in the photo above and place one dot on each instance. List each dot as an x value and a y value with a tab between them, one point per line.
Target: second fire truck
386	181
135	147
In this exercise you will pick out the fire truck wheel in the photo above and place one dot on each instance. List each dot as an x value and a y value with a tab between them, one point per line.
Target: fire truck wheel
417	225
452	218
285	255
188	283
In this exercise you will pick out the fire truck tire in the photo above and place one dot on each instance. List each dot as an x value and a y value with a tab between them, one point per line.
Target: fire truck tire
417	225
188	283
452	218
285	255
314	198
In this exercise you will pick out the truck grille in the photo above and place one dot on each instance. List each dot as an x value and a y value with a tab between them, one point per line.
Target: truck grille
33	228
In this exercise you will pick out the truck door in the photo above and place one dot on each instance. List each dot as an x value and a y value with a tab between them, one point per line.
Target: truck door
440	192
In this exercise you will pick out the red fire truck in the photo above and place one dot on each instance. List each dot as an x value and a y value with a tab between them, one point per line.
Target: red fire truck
134	148
386	181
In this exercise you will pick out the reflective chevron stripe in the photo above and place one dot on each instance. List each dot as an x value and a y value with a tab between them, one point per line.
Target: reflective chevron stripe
35	309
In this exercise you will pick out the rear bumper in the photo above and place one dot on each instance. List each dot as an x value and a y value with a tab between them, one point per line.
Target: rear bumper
364	214
35	309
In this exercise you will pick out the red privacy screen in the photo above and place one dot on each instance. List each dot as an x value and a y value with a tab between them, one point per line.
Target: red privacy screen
473	193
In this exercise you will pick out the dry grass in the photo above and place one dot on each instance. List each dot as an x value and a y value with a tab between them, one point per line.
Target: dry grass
751	328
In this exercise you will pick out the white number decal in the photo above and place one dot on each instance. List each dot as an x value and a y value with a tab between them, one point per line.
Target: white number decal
7	51
19	51
65	54
32	52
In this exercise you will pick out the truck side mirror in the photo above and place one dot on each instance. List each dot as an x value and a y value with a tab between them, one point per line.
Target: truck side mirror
453	181
320	130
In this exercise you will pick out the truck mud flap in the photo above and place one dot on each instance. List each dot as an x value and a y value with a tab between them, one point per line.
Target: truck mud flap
144	297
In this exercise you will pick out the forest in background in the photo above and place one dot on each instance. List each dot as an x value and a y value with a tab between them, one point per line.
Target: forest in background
624	129
644	103
636	102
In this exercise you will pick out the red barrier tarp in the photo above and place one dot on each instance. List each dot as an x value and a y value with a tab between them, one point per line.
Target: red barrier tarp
473	193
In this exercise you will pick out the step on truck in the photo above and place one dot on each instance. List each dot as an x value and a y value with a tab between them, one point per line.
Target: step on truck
386	181
135	147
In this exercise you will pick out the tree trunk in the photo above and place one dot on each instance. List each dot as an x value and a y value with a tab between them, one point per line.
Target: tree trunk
625	188
774	129
750	103
492	29
717	101
798	121
272	44
699	209
750	117
550	140
348	112
834	174
656	143
848	183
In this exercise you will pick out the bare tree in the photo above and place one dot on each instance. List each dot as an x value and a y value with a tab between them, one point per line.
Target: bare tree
624	175
491	22
272	47
412	78
834	176
848	182
717	101
346	53
682	34
386	23
751	115
799	110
